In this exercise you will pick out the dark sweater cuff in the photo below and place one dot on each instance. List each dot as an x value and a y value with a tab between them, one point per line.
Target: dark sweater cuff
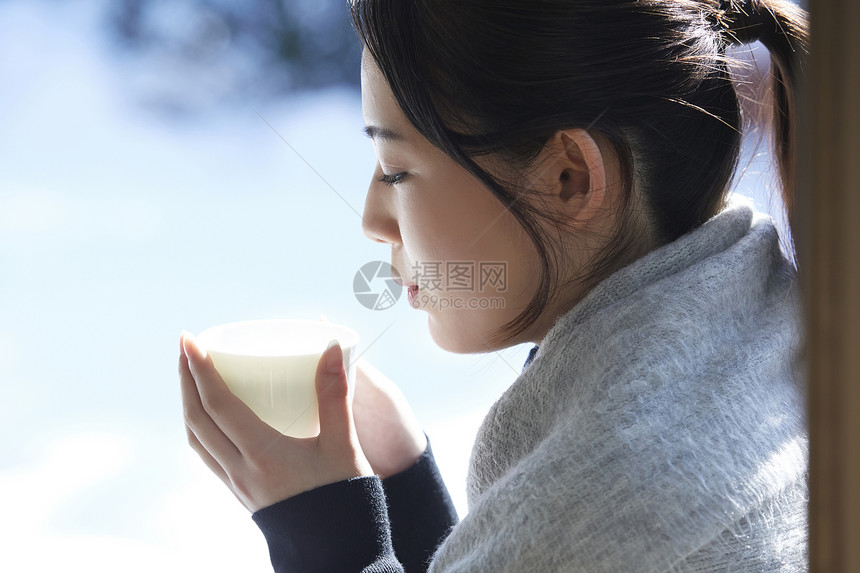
341	526
420	511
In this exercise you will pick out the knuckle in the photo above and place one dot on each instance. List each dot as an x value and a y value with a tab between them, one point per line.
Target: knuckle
190	414
212	405
191	438
187	414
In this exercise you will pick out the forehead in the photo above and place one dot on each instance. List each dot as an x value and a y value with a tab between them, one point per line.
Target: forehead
374	88
367	61
377	101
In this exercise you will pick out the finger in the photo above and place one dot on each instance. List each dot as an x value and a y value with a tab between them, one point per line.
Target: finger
333	394
234	418
207	458
195	444
205	430
213	465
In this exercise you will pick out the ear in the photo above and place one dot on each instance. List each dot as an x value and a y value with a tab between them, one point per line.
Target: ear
578	174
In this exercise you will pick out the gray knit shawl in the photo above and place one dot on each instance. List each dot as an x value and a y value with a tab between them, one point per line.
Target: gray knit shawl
660	426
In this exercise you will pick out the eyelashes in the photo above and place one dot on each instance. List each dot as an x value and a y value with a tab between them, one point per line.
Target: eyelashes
393	179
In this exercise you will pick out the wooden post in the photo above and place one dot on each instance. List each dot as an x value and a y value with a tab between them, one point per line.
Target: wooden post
828	239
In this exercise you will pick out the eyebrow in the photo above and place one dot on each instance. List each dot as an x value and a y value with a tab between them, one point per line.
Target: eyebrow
376	132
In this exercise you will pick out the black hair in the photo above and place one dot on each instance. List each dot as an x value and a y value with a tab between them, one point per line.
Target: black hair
498	78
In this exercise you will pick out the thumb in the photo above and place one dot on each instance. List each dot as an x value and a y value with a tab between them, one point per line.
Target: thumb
333	394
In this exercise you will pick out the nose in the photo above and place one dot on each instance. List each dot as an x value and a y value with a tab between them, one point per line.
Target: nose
379	221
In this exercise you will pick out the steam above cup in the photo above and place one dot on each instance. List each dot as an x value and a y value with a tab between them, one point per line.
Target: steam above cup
271	366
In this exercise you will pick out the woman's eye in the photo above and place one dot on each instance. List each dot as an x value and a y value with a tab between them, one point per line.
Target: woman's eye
393	179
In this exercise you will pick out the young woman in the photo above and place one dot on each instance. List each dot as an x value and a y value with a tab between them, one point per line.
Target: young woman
658	424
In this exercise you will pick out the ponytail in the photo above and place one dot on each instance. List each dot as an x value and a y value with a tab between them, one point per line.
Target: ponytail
782	27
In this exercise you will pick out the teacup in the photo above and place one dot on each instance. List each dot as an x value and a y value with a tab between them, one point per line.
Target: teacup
271	366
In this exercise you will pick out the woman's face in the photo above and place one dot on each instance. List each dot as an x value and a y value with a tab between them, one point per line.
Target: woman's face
474	266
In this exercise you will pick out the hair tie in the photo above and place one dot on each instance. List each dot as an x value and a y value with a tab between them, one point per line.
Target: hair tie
740	22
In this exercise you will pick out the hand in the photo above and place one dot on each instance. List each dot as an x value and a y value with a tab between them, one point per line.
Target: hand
260	465
390	435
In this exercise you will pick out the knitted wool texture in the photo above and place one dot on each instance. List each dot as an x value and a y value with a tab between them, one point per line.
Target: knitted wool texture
660	426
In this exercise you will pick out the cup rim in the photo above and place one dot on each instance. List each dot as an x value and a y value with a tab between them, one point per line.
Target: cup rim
347	337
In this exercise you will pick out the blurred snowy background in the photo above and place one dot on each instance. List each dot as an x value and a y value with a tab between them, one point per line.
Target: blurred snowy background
145	188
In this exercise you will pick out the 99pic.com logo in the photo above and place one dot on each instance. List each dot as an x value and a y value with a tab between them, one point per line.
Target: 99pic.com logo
438	285
375	286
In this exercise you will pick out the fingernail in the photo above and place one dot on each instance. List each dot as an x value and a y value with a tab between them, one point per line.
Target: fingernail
334	358
191	344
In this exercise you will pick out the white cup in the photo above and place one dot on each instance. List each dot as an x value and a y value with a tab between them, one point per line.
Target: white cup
271	366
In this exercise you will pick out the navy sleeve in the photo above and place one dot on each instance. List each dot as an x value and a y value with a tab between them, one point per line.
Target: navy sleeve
420	511
345	526
339	527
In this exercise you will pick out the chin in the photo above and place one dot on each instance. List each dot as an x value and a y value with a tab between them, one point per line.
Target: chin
459	337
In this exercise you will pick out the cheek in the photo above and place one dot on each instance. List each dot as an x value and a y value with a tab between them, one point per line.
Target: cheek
456	218
469	234
424	228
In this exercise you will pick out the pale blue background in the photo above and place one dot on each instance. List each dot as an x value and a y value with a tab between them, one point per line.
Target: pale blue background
119	228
